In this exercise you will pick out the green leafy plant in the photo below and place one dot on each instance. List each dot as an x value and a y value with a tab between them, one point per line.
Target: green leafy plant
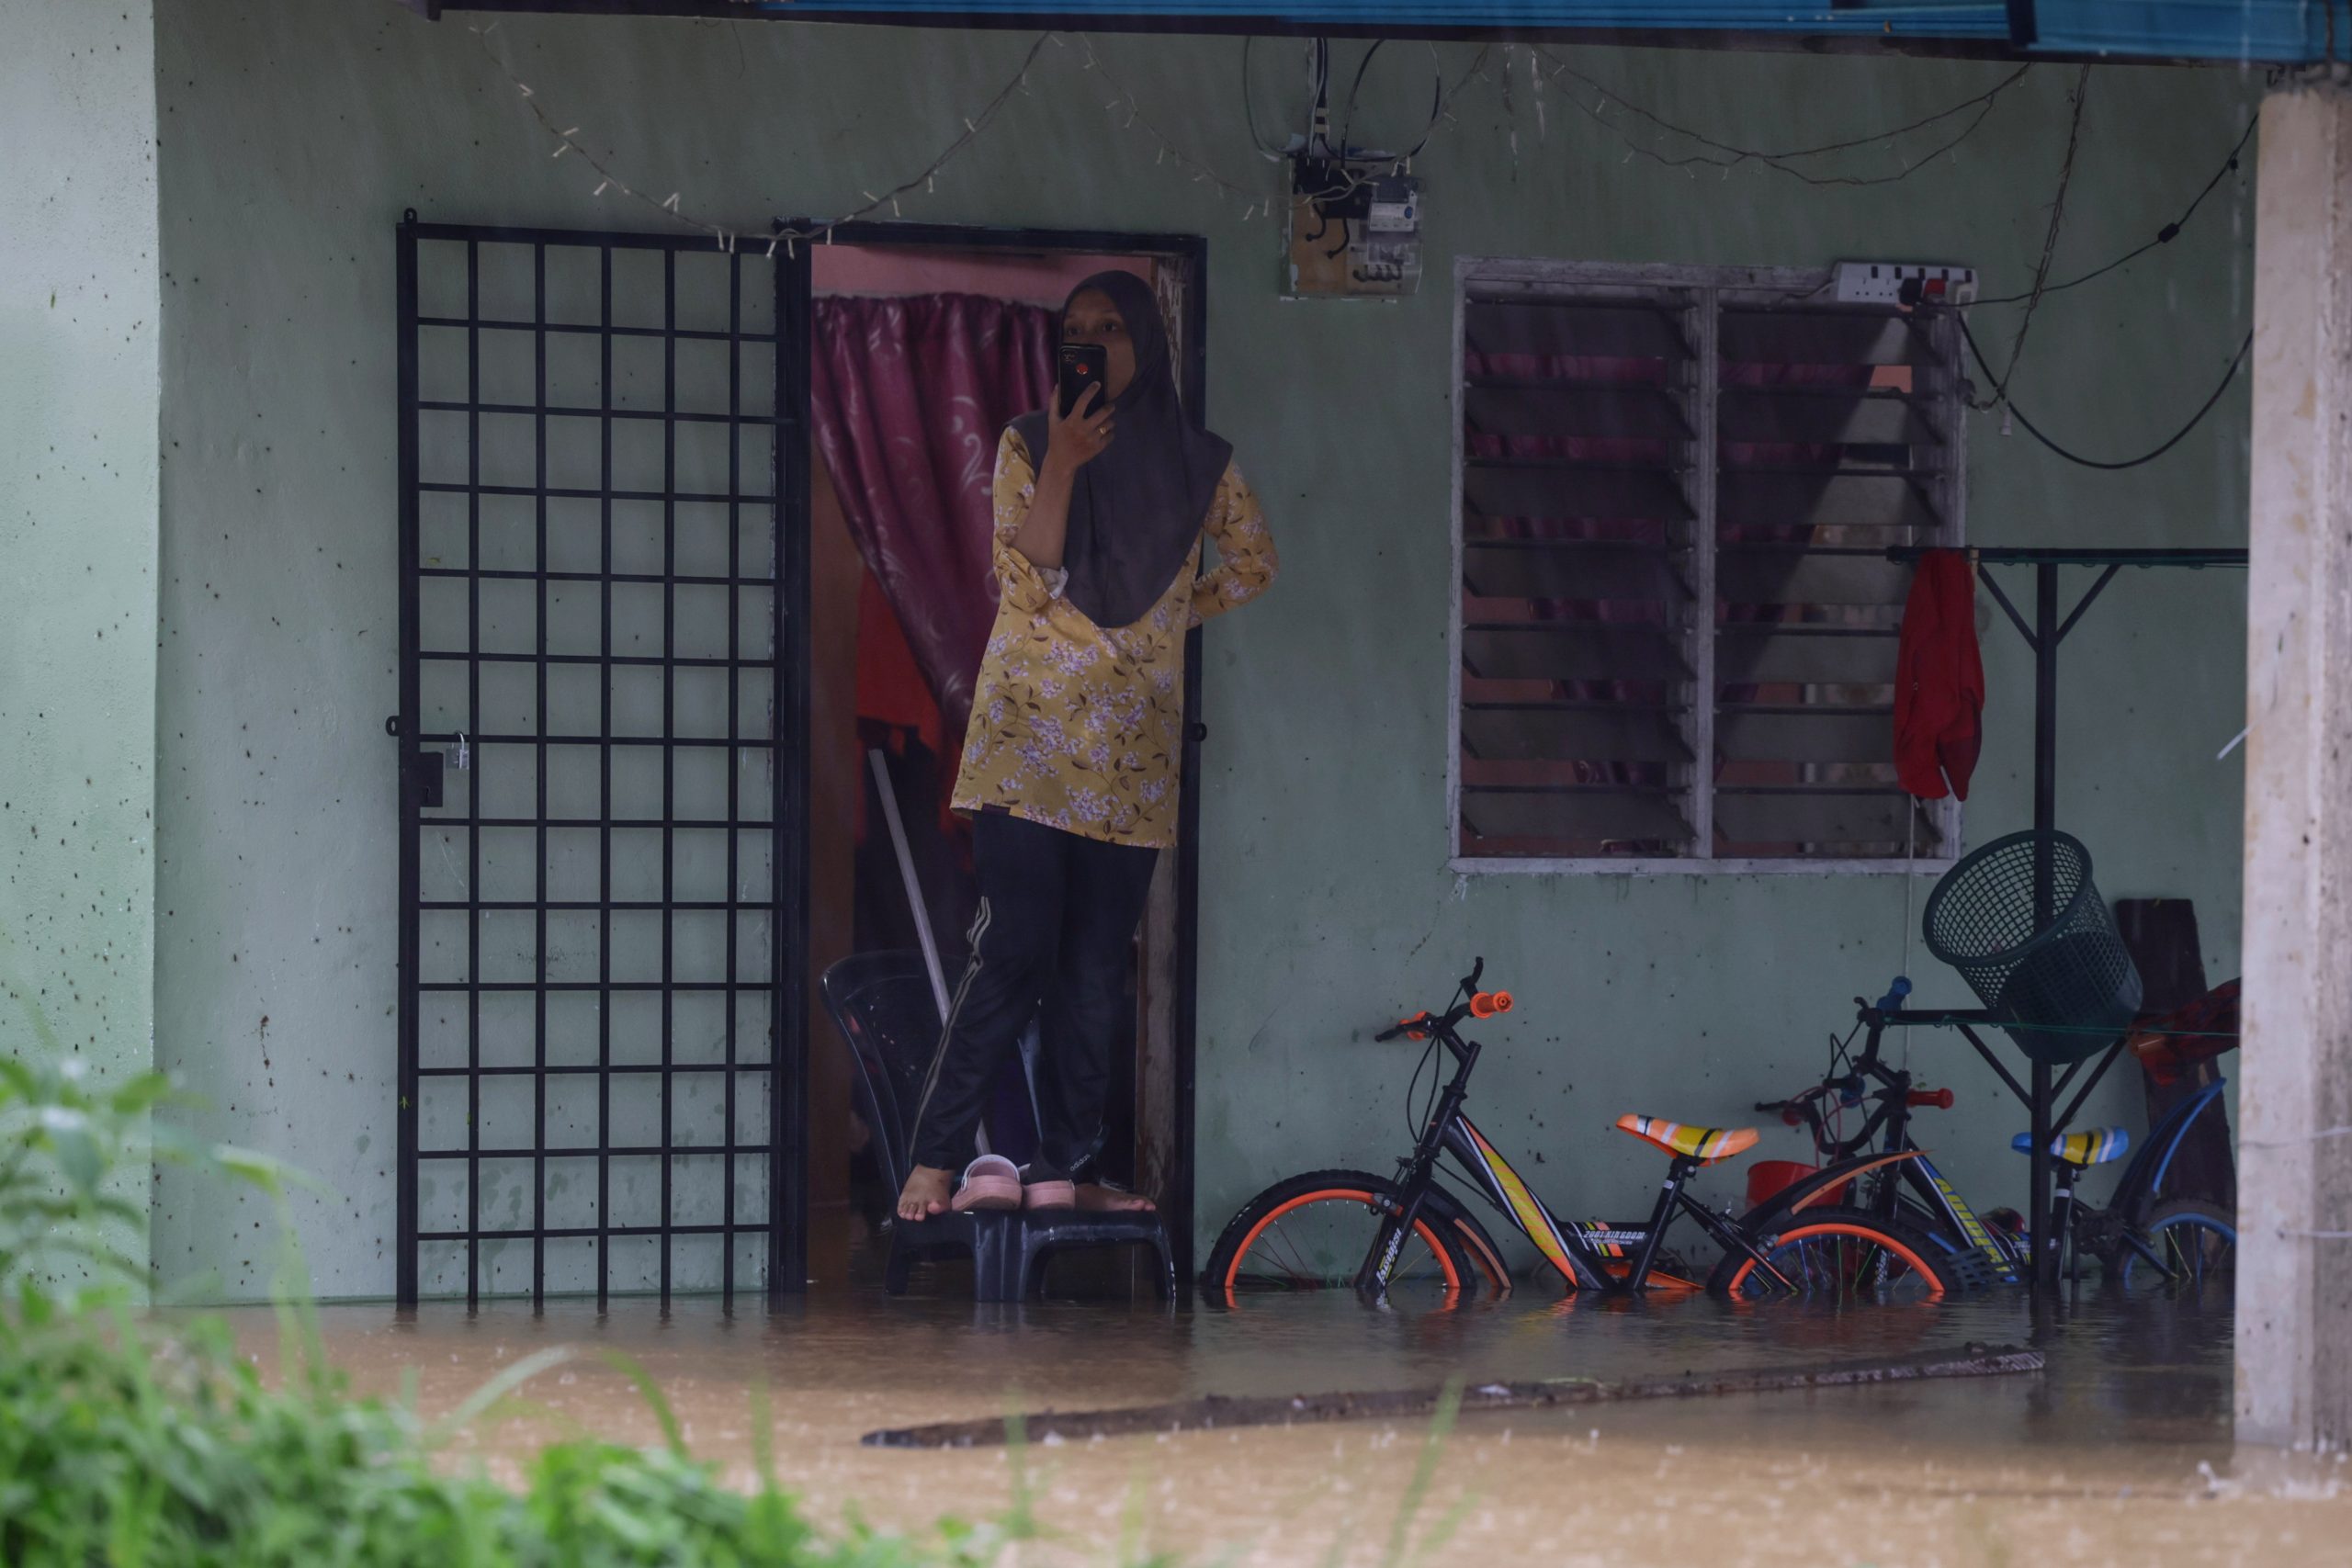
126	1442
129	1445
59	1139
115	1450
63	1231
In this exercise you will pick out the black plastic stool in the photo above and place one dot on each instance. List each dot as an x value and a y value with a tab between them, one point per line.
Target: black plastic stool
882	1003
1009	1247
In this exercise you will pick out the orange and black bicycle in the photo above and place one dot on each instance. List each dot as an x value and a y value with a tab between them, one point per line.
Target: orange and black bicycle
1335	1229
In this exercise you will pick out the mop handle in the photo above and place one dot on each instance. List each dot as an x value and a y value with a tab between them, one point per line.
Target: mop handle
907	874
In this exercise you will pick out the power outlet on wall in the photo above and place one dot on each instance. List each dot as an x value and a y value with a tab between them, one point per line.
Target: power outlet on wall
1904	282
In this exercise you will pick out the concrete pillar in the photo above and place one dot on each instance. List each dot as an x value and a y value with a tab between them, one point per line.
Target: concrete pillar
2294	1283
79	462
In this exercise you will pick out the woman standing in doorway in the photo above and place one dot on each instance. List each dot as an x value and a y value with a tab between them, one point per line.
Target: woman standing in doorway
1070	767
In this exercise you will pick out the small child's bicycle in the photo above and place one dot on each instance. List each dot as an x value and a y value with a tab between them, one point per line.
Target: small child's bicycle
1328	1229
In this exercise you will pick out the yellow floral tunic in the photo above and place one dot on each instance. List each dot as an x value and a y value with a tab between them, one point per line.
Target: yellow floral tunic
1075	726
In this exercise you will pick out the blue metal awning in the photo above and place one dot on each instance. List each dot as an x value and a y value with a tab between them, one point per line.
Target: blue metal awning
2262	30
2292	31
1891	18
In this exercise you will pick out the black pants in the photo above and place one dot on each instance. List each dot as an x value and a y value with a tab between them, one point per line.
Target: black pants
1051	939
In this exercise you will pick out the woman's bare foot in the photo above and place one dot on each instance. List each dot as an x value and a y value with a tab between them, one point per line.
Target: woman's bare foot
926	1193
1110	1200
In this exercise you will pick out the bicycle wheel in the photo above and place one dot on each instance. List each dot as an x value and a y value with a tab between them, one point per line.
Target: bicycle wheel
1843	1255
1973	1269
2199	1244
1312	1233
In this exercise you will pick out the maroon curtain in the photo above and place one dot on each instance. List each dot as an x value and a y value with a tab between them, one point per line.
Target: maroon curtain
909	395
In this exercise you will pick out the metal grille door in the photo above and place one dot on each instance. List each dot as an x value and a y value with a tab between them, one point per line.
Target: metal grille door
603	704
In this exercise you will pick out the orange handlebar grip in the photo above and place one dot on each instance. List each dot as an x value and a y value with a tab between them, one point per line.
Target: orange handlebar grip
1486	1004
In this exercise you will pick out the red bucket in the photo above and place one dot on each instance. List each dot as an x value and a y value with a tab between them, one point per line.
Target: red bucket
1767	1178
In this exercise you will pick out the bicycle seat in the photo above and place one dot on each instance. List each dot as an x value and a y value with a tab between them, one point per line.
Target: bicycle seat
1708	1144
2093	1146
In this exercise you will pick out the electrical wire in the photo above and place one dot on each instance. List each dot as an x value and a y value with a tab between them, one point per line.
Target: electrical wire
2049	250
2043	289
1318	132
2165	235
1734	155
1475	71
1352	181
2033	429
1987	96
1413	1086
1348	115
1437	100
1250	109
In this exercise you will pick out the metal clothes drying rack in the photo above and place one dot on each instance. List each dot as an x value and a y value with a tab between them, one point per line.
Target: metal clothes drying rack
2043	636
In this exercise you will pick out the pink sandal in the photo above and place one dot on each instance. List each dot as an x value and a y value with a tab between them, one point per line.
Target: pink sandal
991	1183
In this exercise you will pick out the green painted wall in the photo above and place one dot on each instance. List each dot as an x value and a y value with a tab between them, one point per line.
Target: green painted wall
78	399
294	134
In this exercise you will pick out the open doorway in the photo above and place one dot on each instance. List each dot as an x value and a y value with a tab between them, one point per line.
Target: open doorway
922	344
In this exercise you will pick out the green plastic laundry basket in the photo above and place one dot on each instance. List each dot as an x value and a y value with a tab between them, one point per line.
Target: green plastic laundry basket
2063	985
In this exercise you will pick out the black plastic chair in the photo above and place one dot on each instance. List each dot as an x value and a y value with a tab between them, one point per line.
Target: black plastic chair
882	1004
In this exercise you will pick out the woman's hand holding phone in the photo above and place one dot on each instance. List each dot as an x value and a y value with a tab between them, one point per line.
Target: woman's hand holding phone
1079	436
1080	424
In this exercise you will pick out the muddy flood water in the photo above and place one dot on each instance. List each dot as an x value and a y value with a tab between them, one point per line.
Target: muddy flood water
2119	1452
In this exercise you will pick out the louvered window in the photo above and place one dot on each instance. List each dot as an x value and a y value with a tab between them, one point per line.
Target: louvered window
1678	623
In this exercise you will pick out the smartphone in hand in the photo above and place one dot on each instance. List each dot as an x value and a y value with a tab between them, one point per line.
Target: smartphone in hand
1083	364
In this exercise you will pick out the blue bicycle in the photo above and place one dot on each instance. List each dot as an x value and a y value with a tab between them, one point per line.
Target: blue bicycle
2141	1238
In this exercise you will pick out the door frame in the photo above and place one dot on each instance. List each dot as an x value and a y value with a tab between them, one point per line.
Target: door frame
787	1229
794	349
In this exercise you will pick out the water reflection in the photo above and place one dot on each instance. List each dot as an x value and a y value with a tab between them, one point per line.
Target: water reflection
2135	1400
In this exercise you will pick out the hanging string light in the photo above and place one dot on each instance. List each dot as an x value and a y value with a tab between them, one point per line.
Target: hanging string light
727	238
1128	112
1131	116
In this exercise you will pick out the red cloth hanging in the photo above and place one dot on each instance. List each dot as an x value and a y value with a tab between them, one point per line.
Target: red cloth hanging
1939	679
890	686
2171	1044
892	692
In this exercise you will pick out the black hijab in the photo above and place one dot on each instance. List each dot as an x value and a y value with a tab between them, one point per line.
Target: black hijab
1137	508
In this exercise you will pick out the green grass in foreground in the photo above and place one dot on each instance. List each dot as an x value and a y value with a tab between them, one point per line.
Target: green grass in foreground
128	1446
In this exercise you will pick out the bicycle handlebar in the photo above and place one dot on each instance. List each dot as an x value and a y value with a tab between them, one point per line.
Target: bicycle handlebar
1804	1109
1478	1004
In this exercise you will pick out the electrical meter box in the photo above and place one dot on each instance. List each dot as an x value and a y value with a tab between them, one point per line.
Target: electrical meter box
1353	231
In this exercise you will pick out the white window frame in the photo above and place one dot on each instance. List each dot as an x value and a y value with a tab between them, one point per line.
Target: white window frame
1538	277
